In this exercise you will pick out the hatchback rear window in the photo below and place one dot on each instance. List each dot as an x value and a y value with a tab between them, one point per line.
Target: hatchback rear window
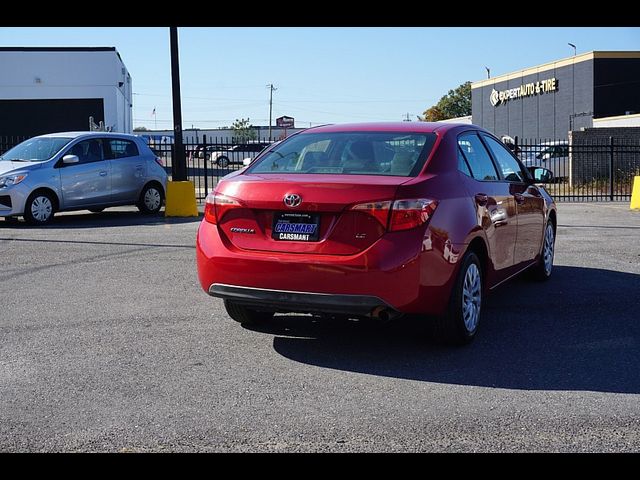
350	153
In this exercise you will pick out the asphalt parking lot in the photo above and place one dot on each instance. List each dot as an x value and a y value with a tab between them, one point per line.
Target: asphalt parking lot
108	344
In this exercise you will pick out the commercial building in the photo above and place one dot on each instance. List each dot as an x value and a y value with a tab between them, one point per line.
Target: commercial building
53	89
549	100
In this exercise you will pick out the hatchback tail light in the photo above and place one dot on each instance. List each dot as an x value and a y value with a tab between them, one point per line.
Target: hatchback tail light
159	161
400	214
216	205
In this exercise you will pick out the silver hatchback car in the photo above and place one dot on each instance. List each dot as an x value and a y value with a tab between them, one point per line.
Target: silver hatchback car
77	171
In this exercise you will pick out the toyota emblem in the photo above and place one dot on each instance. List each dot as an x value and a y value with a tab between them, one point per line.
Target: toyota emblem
292	200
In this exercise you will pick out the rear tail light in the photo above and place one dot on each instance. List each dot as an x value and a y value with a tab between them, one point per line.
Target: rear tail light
378	210
400	214
406	214
216	205
159	161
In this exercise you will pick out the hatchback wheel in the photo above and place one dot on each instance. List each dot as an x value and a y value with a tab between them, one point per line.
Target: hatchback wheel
542	270
460	324
223	162
150	199
244	315
39	208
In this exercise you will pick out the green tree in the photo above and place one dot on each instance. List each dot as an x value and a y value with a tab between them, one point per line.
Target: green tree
456	103
243	130
433	114
141	129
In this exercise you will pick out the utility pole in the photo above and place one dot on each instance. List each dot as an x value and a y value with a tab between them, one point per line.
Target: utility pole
178	162
271	90
407	117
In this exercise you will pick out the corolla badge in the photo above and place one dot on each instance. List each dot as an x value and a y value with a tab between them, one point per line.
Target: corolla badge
292	200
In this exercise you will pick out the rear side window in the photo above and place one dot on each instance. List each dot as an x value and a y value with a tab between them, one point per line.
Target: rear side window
349	153
477	157
462	163
122	148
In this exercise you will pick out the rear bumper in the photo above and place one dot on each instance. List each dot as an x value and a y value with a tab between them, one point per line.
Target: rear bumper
402	272
305	302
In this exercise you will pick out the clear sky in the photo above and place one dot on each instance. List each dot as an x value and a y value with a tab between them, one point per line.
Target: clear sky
322	75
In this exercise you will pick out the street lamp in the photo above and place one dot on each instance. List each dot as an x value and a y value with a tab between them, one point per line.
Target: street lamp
488	72
574	48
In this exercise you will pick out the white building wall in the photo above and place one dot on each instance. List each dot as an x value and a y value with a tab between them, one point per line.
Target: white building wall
466	119
35	75
619	121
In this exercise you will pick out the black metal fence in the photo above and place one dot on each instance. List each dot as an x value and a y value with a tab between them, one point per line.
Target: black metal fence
210	159
588	170
10	141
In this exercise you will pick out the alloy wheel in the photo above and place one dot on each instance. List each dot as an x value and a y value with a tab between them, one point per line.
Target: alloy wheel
471	297
547	254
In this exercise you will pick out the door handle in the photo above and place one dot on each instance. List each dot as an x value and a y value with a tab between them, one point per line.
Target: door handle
103	174
482	199
519	198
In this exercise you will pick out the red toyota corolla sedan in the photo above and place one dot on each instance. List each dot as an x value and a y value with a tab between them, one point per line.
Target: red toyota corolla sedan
376	220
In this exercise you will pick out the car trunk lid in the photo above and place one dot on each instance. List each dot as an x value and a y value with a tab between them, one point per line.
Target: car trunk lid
322	222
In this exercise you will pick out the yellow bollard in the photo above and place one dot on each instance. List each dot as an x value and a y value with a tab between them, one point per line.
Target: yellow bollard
635	193
181	200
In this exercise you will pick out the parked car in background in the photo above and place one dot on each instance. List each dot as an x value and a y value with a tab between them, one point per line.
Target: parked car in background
325	223
77	171
553	156
223	156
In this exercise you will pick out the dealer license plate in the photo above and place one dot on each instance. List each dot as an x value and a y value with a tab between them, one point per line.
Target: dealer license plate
296	226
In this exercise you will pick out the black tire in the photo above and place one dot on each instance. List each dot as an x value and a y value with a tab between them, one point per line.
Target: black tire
151	199
542	270
451	328
222	162
39	208
96	210
246	316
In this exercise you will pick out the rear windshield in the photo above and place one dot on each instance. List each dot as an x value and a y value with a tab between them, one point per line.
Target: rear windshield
351	153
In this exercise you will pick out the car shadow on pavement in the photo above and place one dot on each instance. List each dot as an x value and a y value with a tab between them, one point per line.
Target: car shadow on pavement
107	218
578	331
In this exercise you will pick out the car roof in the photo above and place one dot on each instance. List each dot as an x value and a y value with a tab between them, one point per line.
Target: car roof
408	127
87	134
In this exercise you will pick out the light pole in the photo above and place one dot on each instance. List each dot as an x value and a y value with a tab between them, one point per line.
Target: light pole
178	161
574	48
488	72
271	90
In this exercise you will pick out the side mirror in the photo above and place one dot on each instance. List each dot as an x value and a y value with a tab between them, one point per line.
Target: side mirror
540	175
246	162
70	159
